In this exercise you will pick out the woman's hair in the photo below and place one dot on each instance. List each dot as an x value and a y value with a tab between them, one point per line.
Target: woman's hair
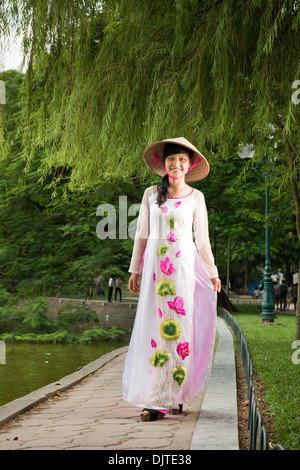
170	149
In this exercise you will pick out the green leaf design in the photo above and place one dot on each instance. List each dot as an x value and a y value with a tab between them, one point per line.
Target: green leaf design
162	249
165	287
159	358
179	374
170	330
172	222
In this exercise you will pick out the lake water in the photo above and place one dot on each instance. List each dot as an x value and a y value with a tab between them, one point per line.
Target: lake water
32	366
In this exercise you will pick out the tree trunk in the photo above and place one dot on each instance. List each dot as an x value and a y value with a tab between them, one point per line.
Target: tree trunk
246	280
297	205
298	308
223	301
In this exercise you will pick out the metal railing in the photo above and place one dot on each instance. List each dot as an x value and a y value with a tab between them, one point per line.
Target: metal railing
258	434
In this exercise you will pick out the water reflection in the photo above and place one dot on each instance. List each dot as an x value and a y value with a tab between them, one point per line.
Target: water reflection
32	366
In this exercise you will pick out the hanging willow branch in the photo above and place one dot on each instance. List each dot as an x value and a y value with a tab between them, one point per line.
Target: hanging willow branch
106	78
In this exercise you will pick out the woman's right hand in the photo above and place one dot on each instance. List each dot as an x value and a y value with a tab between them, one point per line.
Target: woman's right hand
133	284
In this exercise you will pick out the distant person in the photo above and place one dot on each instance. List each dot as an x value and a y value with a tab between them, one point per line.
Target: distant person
295	294
118	288
283	293
90	294
100	291
276	294
255	293
289	297
111	284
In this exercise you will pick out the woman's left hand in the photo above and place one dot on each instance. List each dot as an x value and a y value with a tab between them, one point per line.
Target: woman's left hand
216	283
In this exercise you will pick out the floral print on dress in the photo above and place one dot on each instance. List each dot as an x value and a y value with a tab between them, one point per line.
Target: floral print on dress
167	267
165	287
183	350
172	237
179	374
170	330
159	358
177	305
162	249
171	222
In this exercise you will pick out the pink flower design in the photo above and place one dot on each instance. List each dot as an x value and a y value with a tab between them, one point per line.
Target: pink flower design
177	305
178	254
167	267
183	350
159	312
177	204
153	344
172	237
164	209
154	277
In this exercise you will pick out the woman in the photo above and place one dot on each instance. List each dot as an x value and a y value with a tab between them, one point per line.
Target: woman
170	351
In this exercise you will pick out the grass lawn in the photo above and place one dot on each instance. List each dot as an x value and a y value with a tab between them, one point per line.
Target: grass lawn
271	350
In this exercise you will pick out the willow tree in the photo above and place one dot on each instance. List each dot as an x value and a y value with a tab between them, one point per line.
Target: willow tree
105	78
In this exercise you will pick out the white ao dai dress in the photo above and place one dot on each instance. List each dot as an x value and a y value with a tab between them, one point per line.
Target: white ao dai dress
170	351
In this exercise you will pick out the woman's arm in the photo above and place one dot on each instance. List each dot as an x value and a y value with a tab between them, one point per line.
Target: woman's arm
133	284
200	224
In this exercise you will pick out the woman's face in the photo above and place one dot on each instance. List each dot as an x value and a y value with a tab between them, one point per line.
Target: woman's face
177	165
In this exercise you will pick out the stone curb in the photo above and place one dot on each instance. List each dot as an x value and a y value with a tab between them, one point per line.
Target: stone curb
217	424
19	406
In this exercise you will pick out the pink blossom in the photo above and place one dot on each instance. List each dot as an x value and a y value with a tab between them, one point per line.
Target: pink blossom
159	312
178	253
164	209
183	349
177	204
177	305
153	343
154	277
167	267
172	237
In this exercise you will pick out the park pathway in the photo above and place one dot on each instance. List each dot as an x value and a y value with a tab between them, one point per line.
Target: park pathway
85	411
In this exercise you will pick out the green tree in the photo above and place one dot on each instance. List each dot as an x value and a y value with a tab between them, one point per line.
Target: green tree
104	79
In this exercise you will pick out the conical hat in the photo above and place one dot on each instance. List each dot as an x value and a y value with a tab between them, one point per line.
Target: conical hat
155	151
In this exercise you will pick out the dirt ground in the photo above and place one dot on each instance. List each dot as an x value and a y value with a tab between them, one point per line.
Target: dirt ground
243	405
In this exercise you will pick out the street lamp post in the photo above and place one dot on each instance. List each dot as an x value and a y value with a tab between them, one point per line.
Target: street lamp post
267	305
267	314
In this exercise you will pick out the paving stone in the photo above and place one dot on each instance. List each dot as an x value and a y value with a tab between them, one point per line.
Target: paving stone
146	444
91	415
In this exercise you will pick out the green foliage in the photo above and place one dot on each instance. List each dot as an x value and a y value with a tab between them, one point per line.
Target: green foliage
74	317
59	252
104	79
100	334
35	319
28	322
271	351
49	244
4	296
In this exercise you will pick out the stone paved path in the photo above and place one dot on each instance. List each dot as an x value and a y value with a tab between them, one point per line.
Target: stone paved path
93	416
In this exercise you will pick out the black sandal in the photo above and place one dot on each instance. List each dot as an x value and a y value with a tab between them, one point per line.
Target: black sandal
152	415
176	411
